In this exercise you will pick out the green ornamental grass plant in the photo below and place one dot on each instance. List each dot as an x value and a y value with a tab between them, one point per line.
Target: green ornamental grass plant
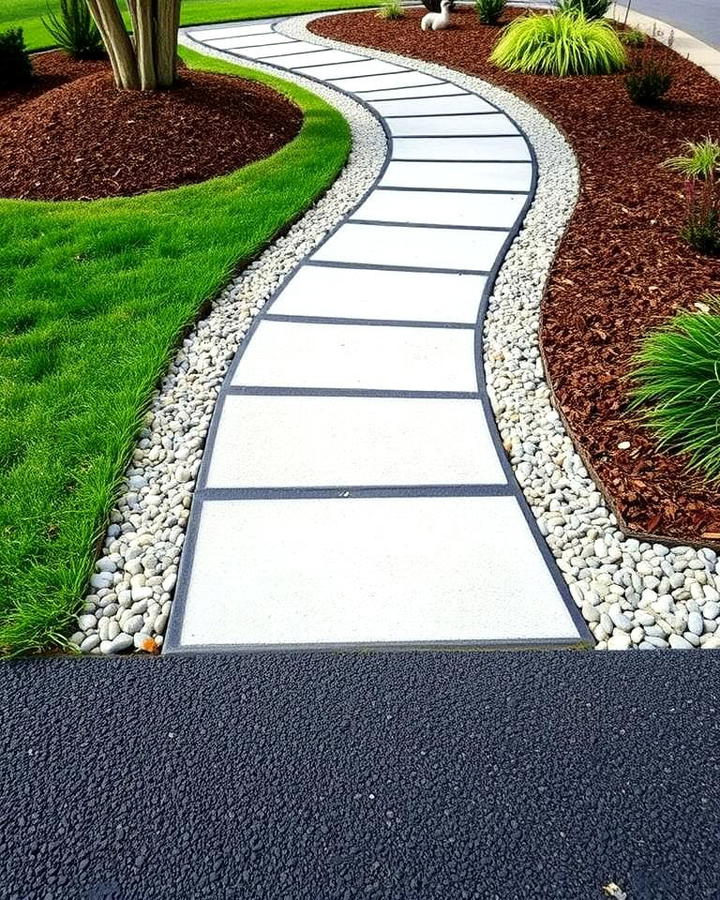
74	30
701	168
560	43
677	386
489	11
391	10
591	9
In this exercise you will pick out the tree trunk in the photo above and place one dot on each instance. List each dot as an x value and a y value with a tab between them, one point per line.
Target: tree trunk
148	61
168	21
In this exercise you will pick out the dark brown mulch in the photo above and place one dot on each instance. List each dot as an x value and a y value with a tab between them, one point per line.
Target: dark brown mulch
621	268
74	136
50	70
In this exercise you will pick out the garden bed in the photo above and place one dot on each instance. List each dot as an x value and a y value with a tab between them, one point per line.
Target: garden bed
621	269
73	136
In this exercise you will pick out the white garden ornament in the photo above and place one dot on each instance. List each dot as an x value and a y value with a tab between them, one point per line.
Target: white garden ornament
437	21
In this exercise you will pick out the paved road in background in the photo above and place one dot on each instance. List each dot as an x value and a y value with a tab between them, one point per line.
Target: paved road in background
505	776
700	18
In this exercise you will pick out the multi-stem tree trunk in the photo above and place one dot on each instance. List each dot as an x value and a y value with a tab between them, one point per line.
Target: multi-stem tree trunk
147	60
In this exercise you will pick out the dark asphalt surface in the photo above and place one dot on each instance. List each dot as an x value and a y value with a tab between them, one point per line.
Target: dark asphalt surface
503	775
700	18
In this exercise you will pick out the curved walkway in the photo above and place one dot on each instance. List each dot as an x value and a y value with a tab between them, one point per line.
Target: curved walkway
354	490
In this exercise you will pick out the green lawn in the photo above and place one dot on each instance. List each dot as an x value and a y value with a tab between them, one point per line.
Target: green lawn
29	13
93	298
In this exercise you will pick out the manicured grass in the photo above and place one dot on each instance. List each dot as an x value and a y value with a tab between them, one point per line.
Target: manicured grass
93	298
29	13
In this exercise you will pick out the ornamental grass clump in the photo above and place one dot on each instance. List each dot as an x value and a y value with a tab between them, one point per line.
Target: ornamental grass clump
489	11
74	30
391	10
677	385
591	9
701	168
560	43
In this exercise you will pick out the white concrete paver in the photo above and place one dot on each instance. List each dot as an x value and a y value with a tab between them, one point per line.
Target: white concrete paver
351	441
446	208
427	106
399	570
358	357
353	491
443	126
427	248
382	294
468	175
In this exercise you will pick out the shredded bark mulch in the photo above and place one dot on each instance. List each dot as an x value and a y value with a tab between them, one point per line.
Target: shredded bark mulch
621	269
72	136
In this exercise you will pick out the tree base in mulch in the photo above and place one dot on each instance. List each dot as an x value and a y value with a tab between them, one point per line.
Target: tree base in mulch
73	136
621	269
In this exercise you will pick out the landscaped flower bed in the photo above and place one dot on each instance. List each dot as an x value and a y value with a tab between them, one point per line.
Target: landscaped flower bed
622	269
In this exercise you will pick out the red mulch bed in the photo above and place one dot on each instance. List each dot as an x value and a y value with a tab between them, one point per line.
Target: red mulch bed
73	136
621	268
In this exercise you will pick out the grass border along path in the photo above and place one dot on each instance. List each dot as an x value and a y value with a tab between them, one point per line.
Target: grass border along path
93	300
28	14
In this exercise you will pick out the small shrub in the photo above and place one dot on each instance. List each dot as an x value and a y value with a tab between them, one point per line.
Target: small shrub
560	43
633	38
701	228
591	9
649	79
701	167
74	30
677	385
15	65
390	9
489	11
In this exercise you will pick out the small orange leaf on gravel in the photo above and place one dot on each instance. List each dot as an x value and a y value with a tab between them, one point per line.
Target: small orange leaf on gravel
148	645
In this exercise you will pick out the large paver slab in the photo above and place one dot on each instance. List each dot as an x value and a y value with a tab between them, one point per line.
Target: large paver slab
504	149
461	176
432	106
208	35
442	89
443	208
427	248
366	357
296	48
370	441
374	82
346	70
381	294
474	124
264	39
397	570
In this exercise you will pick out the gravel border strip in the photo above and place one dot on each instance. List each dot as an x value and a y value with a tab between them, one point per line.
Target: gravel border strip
632	594
130	594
